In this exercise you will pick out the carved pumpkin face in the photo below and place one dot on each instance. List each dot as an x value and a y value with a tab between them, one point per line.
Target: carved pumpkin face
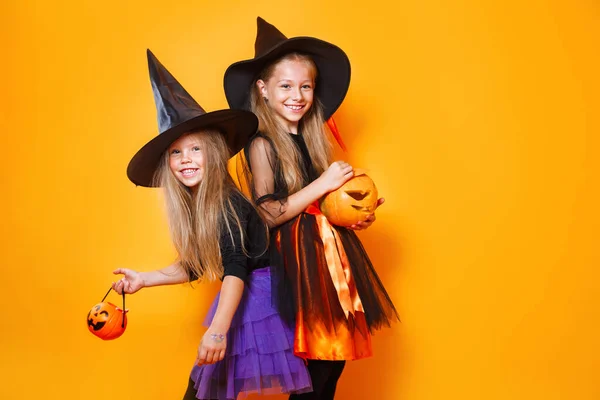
107	321
352	202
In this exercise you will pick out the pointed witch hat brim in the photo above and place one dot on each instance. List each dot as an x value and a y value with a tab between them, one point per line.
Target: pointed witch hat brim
178	114
333	65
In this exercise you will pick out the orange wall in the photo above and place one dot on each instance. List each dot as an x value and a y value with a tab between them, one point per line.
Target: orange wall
478	120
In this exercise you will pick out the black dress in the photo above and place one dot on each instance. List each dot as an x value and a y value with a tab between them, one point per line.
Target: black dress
322	275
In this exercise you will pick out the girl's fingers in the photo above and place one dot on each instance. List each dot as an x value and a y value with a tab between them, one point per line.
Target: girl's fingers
202	355
210	357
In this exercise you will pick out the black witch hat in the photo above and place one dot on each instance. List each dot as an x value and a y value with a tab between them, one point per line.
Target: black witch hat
178	113
333	65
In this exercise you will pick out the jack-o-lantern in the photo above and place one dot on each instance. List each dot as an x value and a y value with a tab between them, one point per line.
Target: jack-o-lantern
106	320
352	202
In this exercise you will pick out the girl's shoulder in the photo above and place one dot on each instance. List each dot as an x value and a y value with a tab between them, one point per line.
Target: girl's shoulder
260	141
243	207
258	149
250	219
240	203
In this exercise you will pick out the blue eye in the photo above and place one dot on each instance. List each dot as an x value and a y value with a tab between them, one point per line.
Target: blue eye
175	151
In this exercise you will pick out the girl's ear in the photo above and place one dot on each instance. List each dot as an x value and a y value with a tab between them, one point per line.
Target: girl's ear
262	87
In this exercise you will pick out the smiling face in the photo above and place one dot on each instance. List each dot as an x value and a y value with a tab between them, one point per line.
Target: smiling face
107	321
289	90
186	160
97	317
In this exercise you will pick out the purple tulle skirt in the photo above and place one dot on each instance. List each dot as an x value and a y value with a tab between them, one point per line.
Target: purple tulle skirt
260	350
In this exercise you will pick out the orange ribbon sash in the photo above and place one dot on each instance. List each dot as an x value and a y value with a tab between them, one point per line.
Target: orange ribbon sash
337	263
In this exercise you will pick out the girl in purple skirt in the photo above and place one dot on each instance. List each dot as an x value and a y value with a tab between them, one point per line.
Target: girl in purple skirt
218	235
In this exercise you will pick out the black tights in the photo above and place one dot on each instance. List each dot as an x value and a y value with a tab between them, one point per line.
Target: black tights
324	375
190	393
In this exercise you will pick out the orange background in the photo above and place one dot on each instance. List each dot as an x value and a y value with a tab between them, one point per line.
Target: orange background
478	120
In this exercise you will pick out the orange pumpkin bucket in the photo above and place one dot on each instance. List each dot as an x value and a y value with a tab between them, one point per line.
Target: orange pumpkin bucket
352	202
106	320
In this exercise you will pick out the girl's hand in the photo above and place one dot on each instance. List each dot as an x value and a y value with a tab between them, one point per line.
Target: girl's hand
360	225
336	175
212	347
130	283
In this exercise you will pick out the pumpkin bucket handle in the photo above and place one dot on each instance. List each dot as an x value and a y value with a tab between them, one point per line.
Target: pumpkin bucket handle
106	295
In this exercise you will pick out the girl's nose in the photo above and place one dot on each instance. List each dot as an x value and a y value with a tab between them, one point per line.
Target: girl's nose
297	94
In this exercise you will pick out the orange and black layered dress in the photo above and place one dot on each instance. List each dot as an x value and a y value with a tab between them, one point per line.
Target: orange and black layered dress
322	276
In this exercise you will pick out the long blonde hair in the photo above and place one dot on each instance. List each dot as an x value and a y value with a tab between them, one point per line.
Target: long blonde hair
311	125
195	218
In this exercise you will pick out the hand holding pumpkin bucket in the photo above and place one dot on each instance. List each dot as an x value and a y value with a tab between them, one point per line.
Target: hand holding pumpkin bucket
352	202
106	320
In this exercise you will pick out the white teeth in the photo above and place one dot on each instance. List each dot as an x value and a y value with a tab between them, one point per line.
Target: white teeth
186	172
295	107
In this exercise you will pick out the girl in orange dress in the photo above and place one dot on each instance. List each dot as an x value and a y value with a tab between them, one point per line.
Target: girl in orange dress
323	278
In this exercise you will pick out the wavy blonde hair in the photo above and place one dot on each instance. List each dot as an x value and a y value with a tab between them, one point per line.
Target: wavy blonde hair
195	217
311	125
